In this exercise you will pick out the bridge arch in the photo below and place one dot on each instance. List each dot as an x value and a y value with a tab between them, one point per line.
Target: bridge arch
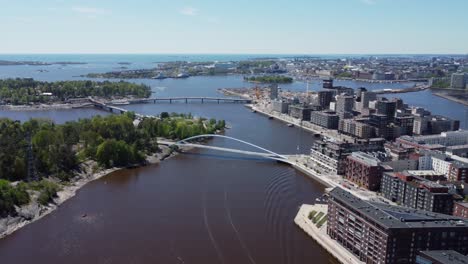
275	155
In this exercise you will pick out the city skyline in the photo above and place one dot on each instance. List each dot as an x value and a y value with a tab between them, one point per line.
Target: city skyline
208	27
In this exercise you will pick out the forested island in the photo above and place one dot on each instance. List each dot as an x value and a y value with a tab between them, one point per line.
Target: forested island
269	79
40	158
29	91
184	69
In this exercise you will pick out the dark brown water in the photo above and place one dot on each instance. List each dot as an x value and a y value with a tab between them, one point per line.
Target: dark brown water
200	207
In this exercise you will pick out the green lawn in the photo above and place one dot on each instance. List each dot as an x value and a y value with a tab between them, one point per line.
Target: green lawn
317	217
321	222
312	214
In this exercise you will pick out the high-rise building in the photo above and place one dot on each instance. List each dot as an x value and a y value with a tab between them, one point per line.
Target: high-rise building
380	233
399	103
450	138
366	97
385	107
324	98
344	103
458	80
441	257
327	119
328	83
301	112
460	209
356	127
432	124
359	92
417	192
330	156
274	91
364	170
280	106
406	124
454	170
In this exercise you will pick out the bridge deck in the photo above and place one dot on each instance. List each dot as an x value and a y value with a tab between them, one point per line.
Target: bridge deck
282	158
191	98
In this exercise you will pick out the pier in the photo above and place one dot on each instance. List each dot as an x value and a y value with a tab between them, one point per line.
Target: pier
402	90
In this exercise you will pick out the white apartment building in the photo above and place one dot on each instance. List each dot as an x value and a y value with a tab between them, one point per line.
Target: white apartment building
451	138
435	163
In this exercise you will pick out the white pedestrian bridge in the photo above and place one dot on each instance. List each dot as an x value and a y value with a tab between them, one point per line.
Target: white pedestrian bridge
265	153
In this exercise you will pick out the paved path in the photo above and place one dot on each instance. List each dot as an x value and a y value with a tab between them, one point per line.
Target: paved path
320	234
299	161
330	133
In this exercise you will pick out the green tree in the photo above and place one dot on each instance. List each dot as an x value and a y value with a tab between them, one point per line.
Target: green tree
164	115
11	196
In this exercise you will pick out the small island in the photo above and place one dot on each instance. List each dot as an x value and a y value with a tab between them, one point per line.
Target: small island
184	69
269	79
28	91
37	63
45	163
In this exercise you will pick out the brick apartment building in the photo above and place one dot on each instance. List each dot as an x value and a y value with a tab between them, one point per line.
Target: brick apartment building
383	234
364	170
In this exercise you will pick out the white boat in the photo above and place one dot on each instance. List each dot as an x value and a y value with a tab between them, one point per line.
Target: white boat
182	75
160	76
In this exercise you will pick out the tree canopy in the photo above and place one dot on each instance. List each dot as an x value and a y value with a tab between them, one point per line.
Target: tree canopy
25	91
270	79
45	150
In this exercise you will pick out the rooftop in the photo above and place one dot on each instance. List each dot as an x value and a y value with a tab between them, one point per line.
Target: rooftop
445	256
325	113
424	173
464	204
365	158
391	217
421	139
458	147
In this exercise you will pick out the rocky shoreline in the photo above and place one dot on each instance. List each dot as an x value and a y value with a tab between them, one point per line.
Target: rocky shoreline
34	211
40	107
452	98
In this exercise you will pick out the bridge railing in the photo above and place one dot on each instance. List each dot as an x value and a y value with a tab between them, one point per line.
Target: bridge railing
268	154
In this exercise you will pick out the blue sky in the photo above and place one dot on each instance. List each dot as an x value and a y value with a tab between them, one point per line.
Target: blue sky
242	26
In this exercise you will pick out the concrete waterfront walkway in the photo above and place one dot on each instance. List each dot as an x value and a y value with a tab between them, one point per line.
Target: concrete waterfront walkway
303	125
331	181
320	234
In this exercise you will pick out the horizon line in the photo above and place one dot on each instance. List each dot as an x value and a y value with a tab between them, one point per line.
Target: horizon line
203	53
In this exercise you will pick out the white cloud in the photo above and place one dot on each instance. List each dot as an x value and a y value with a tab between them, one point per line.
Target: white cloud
89	10
189	11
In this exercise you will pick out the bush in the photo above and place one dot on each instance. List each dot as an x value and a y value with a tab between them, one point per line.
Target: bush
48	190
317	218
312	214
11	196
117	153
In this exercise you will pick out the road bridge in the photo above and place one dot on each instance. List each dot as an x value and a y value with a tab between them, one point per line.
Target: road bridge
111	108
191	99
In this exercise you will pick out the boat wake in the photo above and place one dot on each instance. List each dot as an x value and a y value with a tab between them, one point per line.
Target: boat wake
228	213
